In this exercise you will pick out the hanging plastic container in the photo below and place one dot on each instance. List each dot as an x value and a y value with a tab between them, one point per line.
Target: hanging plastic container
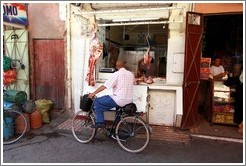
9	76
15	96
8	127
36	120
20	123
6	62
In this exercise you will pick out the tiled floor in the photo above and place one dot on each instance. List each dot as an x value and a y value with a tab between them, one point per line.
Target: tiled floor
163	133
169	134
166	133
66	125
219	130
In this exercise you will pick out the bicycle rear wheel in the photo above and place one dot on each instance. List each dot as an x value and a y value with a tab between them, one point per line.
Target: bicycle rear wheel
132	134
9	134
81	127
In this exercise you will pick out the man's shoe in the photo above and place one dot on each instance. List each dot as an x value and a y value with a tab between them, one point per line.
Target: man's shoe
98	125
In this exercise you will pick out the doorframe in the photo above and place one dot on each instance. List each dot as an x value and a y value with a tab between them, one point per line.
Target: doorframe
186	118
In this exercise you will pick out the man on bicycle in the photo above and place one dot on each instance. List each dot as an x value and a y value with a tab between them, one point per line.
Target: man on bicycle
121	82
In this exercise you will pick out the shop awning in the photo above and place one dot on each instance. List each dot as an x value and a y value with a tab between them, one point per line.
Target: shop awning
114	14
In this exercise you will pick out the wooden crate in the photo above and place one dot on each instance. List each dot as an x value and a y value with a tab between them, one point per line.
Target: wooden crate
223	117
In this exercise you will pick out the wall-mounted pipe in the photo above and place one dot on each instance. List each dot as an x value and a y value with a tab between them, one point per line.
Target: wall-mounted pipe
129	10
139	23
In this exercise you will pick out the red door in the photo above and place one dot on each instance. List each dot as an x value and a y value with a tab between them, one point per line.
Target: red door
49	71
193	41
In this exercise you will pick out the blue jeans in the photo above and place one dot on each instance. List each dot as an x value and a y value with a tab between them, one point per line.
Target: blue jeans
102	104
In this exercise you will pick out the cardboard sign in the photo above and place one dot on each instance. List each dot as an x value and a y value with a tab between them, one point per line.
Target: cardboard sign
15	13
205	68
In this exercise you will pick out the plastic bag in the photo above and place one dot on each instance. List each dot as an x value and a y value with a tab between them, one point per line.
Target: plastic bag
85	103
44	106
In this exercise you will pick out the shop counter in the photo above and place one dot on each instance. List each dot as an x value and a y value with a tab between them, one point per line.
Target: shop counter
161	101
165	103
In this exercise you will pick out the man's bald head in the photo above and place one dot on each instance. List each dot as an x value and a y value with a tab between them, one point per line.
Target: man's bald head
120	63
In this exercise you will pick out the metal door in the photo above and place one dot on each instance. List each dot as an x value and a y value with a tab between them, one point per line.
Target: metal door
49	71
193	41
16	47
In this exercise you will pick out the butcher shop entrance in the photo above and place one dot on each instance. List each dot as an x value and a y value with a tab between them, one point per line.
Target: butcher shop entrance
148	36
129	31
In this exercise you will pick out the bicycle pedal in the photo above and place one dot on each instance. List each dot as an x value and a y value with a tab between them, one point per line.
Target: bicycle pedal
150	129
100	131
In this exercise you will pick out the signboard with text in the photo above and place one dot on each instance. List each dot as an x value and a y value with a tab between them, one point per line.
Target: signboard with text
14	13
205	68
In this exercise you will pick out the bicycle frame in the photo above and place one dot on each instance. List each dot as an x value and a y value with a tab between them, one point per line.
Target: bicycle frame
127	128
110	131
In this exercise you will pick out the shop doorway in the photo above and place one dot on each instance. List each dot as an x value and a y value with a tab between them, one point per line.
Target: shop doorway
49	71
223	37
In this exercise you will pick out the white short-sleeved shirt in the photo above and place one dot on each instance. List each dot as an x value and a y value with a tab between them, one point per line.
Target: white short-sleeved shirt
214	70
241	77
122	83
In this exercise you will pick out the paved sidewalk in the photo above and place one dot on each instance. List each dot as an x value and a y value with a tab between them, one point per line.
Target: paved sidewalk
52	145
61	147
170	134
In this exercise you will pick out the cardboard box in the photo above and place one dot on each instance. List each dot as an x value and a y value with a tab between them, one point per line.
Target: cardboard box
222	117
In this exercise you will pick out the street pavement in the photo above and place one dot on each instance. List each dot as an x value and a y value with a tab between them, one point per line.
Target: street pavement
48	145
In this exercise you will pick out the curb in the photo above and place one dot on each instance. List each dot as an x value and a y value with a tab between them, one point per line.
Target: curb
238	140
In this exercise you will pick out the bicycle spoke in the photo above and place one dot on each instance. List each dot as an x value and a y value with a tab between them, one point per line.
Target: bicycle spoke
81	127
126	126
139	128
132	134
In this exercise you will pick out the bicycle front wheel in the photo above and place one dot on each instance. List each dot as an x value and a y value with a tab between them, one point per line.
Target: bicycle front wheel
81	127
10	132
132	134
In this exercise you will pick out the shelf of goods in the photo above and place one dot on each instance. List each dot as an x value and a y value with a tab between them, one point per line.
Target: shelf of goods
223	103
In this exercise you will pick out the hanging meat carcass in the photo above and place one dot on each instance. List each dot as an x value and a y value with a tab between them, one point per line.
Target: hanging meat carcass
95	50
147	58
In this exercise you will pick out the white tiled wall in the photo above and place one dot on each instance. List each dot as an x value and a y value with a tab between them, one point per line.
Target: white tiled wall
132	58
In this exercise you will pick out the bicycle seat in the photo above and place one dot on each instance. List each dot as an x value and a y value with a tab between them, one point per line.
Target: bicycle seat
130	108
119	108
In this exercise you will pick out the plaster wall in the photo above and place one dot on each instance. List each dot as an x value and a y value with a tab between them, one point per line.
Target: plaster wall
209	8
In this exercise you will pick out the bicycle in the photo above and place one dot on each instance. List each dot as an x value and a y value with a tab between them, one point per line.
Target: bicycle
9	118
128	128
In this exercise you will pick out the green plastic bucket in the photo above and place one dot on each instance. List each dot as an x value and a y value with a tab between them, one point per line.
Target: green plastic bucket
15	96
